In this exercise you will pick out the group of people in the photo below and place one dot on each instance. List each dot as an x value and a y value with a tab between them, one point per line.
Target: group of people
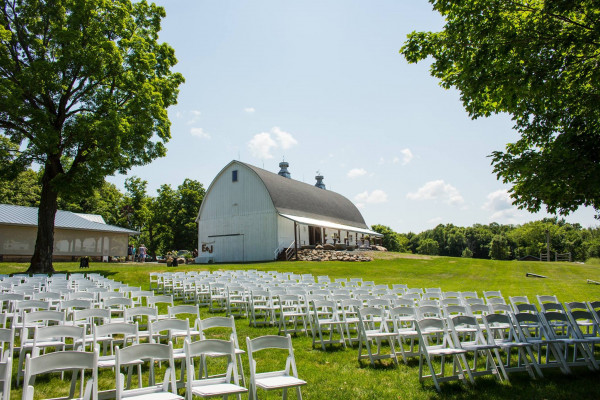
141	253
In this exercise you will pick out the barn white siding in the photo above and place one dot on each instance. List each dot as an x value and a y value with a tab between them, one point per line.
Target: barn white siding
237	220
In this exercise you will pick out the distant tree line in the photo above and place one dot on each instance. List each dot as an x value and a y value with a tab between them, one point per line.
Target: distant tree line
496	241
166	221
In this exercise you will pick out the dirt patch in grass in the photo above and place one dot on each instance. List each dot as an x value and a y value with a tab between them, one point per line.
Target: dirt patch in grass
388	255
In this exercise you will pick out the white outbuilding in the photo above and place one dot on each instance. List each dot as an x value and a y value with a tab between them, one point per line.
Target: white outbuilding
75	235
250	214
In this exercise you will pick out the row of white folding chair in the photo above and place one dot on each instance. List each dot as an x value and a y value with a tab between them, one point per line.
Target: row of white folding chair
195	352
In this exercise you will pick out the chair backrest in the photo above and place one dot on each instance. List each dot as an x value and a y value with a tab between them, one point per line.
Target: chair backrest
529	326
48	333
218	322
450	311
557	325
161	299
478	310
469	324
168	325
82	296
96	316
550	306
584	322
546	299
7	342
473	300
494	322
514	300
44	317
31	305
62	360
501	308
371	318
428	312
128	331
525	308
495	300
174	311
427	326
118	302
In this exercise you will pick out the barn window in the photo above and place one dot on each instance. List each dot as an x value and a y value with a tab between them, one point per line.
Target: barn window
234	176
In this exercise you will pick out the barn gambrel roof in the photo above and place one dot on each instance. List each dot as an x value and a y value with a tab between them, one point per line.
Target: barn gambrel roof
300	199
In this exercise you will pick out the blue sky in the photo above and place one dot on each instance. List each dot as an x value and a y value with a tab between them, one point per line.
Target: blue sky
322	84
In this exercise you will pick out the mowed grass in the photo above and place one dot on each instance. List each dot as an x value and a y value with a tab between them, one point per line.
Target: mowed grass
336	373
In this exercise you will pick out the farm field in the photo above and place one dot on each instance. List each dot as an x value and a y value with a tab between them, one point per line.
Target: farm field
336	373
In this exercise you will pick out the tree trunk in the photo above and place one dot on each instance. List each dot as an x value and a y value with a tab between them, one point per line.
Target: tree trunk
41	261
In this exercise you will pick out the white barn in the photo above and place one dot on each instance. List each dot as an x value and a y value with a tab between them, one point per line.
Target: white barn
250	214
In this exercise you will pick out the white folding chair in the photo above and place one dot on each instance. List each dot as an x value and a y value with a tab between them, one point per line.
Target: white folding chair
560	328
531	330
273	380
501	332
217	385
7	339
62	361
326	320
435	341
187	311
467	335
217	324
350	317
373	328
151	352
291	314
403	325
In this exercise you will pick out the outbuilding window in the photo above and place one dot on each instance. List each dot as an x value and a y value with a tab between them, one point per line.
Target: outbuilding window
234	177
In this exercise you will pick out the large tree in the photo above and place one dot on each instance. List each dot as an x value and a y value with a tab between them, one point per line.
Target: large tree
84	88
537	60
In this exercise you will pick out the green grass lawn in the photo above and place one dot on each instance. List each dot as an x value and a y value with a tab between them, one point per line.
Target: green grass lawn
337	374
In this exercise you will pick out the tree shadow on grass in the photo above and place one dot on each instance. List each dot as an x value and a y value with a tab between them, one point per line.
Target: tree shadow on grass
379	365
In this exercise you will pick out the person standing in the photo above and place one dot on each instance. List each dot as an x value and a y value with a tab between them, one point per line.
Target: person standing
130	253
142	251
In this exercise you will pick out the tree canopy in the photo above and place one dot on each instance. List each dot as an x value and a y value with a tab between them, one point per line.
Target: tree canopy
84	88
536	60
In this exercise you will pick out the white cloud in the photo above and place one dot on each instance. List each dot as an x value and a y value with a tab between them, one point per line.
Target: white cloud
195	117
395	160
501	209
407	156
356	172
249	110
199	132
381	161
375	197
438	190
285	139
498	201
261	144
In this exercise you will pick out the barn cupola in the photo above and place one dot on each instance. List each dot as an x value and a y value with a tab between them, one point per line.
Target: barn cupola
319	183
284	170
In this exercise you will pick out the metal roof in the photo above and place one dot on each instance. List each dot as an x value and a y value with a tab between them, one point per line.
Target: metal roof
300	199
28	216
327	224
